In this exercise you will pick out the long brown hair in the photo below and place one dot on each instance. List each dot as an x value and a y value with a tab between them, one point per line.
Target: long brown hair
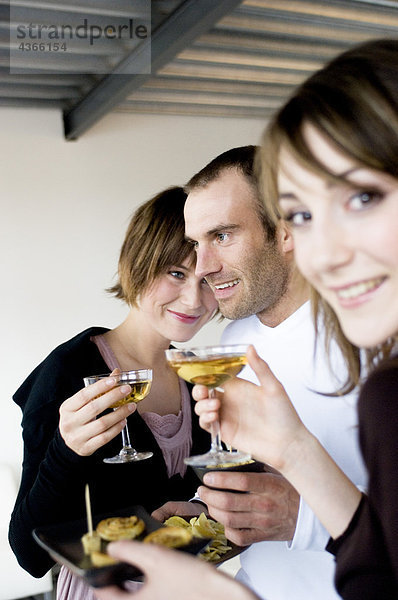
353	102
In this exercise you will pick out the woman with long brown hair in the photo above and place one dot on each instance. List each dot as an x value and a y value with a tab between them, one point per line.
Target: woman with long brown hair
329	164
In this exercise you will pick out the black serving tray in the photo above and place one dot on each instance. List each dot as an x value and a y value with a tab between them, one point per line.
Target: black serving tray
63	543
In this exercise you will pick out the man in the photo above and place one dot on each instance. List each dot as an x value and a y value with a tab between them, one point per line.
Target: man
250	267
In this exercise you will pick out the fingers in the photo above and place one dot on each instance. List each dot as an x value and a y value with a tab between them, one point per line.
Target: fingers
244	537
94	399
152	560
111	593
196	579
130	551
88	439
99	404
207	410
225	501
265	492
199	392
162	513
269	513
245	528
79	424
91	401
169	509
236	480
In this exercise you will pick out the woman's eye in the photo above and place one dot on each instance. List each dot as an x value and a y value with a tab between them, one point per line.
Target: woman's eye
361	200
298	218
177	274
204	282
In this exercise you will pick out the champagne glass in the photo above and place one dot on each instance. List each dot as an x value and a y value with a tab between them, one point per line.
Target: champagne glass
140	382
211	366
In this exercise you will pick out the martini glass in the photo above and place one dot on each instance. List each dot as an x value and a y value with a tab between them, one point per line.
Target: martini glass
140	382
211	366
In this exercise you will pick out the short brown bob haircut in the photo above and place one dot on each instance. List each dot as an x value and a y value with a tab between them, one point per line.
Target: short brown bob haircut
154	242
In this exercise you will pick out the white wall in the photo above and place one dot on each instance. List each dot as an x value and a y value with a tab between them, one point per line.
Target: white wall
64	210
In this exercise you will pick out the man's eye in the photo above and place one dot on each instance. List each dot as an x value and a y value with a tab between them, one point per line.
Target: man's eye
194	243
222	237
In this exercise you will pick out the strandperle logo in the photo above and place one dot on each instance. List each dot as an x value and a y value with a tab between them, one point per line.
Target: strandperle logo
98	42
39	31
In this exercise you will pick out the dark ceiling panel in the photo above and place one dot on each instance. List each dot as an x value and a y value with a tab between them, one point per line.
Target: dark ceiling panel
181	28
209	57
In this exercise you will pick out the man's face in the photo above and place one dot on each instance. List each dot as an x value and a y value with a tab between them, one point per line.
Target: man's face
247	273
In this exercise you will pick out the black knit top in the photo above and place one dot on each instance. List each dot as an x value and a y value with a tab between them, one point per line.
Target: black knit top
367	553
54	477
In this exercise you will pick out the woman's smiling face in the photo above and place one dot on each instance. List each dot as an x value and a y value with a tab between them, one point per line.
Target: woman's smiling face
178	303
346	238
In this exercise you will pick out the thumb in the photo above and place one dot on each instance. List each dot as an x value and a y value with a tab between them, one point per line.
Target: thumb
260	367
144	556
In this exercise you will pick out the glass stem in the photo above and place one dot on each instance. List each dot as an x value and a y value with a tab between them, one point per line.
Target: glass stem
215	430
126	437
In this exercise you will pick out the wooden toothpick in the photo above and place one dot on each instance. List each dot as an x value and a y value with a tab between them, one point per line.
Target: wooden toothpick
88	511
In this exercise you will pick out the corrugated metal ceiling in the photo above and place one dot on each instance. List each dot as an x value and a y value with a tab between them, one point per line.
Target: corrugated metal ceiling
209	57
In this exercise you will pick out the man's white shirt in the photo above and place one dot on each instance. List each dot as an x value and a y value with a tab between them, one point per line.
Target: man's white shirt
301	569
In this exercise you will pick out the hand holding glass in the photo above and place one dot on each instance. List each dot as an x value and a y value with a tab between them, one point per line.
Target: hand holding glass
140	382
211	366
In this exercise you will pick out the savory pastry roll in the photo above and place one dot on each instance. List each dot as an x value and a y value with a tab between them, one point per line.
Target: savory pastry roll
120	528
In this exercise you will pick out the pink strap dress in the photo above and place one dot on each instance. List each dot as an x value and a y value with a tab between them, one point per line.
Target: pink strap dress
174	437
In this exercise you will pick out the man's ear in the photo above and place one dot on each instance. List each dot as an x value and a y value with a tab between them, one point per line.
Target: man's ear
285	238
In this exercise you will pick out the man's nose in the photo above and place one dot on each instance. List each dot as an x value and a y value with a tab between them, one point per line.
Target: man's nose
207	262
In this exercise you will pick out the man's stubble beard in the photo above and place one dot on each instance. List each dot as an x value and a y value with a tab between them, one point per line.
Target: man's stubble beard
264	285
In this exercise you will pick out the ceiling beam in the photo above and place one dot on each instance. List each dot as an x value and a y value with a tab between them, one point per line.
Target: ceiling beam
182	27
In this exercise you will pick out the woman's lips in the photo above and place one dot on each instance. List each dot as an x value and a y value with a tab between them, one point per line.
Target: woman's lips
183	317
356	293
